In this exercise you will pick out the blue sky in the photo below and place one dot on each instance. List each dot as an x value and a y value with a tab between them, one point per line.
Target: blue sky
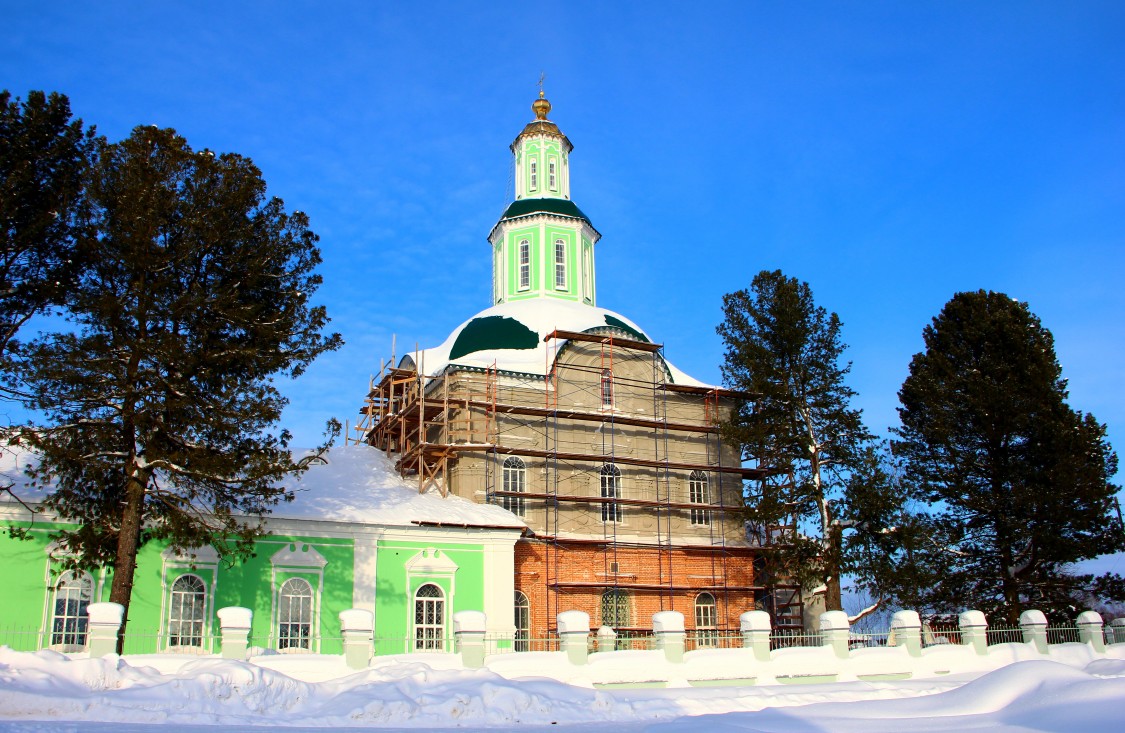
890	154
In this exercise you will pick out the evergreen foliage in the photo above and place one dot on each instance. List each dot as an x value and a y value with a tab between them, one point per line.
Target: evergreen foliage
44	155
1018	481
161	401
823	476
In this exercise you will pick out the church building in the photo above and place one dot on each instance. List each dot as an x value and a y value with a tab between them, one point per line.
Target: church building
569	416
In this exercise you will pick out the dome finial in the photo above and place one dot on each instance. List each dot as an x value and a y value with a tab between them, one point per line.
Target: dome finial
541	106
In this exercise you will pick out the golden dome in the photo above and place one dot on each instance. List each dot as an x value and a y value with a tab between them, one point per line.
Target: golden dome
541	107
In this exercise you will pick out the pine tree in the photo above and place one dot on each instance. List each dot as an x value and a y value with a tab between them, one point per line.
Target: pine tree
799	427
44	156
161	402
1019	481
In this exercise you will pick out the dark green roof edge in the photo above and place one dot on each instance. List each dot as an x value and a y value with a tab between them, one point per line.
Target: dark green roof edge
559	207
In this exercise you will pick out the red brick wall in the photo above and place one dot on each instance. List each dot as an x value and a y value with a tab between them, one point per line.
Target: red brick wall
727	574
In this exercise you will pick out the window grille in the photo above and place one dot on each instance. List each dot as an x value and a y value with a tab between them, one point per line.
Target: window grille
187	612
699	493
611	489
523	623
429	618
515	479
73	594
295	615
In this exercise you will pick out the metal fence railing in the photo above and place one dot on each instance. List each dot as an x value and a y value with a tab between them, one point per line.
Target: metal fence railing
151	641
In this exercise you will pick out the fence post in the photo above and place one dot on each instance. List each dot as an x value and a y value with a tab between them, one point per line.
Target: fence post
357	627
756	628
574	630
234	631
1091	631
468	630
607	639
974	631
1117	629
1034	625
103	624
907	628
668	626
834	632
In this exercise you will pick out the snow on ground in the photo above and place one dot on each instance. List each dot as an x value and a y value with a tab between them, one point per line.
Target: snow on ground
47	691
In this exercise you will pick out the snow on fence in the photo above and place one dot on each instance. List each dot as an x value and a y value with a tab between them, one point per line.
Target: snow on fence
909	647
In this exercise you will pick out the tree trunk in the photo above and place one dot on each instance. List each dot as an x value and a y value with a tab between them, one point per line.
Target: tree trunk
833	595
128	540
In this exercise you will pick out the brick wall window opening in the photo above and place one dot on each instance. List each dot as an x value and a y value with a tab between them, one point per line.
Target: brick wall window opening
523	623
706	614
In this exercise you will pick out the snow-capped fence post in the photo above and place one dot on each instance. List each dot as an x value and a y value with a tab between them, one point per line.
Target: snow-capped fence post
1117	630
668	626
1034	625
834	632
974	631
907	629
468	629
756	627
574	631
234	631
103	625
1091	631
607	639
357	627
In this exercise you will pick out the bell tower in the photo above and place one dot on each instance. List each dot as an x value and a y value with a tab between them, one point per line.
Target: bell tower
543	245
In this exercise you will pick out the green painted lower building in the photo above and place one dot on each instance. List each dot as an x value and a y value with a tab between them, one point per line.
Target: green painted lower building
356	536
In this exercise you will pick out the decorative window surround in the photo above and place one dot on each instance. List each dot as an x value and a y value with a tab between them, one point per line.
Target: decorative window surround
297	560
203	563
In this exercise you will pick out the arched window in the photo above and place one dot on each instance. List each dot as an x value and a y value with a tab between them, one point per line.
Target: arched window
611	489
523	623
187	612
560	264
699	493
429	618
73	594
615	609
705	620
607	388
533	173
295	614
525	264
515	479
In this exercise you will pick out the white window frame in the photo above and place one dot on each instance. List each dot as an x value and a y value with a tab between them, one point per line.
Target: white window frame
552	175
607	388
515	479
706	621
187	607
560	264
429	618
304	618
522	621
533	173
610	482
74	589
699	492
523	251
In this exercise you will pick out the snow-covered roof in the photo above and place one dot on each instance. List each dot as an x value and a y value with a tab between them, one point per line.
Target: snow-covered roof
358	483
355	483
511	336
